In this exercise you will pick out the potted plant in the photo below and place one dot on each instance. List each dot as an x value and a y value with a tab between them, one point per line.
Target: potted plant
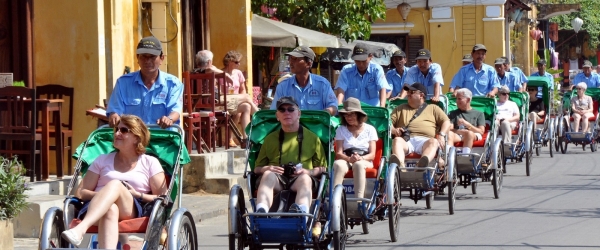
12	197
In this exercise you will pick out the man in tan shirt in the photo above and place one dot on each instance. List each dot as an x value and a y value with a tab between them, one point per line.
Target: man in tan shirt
419	135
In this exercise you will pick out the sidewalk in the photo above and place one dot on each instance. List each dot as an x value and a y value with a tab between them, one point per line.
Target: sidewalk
202	206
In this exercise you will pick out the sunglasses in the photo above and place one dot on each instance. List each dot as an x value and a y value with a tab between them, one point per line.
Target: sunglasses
349	114
123	130
413	91
236	62
289	110
531	90
580	88
503	93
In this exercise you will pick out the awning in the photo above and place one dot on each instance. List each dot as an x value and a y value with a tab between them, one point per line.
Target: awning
382	52
270	33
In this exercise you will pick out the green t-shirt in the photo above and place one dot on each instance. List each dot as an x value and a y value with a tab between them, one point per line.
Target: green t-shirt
313	154
474	117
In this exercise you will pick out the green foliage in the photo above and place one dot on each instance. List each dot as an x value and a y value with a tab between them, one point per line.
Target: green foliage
12	188
349	19
590	14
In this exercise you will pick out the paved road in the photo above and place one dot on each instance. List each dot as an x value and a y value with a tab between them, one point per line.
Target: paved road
555	208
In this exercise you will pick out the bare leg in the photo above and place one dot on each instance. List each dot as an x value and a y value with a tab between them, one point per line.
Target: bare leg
430	148
244	110
467	138
340	168
114	193
108	228
399	148
303	188
585	122
576	118
269	184
533	118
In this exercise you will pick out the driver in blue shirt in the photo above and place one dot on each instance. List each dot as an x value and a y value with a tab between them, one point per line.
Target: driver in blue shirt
507	78
478	77
155	96
396	77
311	92
591	79
427	73
363	80
541	66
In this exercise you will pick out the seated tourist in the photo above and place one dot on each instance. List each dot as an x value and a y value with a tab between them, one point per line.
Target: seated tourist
537	110
507	115
582	107
468	123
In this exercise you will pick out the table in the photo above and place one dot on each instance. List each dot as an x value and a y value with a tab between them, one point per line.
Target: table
47	108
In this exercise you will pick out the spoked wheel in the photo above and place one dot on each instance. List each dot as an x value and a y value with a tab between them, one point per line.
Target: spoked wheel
429	200
52	228
452	191
497	174
563	139
394	210
237	239
474	187
528	160
552	141
185	236
339	237
537	151
556	143
594	145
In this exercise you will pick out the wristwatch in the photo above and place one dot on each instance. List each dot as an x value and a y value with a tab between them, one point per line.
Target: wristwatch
442	133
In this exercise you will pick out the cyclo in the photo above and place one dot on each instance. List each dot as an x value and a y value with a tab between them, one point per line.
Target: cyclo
324	226
484	163
522	135
565	134
422	182
546	135
178	227
382	181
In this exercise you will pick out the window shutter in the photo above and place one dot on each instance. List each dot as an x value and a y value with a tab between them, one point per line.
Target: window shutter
414	44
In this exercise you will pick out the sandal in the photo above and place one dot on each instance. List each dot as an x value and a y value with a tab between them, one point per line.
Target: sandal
232	144
244	143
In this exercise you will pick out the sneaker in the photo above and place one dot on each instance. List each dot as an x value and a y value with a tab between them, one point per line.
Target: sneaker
294	208
394	159
261	210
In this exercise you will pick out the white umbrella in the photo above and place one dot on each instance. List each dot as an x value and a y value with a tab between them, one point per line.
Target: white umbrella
270	33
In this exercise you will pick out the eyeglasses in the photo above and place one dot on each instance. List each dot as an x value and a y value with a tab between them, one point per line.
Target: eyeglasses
123	130
289	110
413	91
530	90
349	114
236	62
503	93
580	88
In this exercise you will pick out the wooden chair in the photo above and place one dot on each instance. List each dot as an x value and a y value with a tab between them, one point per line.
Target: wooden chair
18	125
192	120
55	91
223	118
202	95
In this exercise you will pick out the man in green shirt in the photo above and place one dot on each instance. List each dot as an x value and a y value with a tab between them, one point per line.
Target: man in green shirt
468	123
298	147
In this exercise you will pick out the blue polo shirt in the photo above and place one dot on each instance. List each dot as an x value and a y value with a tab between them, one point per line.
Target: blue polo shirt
316	95
396	81
366	87
130	96
480	83
593	81
540	89
519	75
509	80
433	75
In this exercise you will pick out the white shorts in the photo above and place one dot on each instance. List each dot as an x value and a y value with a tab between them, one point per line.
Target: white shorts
478	136
415	144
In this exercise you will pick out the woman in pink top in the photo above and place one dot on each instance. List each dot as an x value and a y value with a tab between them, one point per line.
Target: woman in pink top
238	101
116	185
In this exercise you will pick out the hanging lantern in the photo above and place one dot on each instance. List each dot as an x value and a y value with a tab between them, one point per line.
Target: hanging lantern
403	9
318	52
535	34
576	23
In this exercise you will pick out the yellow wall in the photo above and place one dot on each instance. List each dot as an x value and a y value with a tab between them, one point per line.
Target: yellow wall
70	51
444	39
231	31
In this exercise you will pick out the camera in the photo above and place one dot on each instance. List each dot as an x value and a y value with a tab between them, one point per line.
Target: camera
406	134
290	168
